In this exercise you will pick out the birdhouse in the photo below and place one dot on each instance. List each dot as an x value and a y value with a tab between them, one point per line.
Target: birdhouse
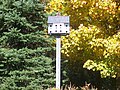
58	25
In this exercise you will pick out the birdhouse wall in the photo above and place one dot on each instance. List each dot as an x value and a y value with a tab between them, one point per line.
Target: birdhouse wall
58	28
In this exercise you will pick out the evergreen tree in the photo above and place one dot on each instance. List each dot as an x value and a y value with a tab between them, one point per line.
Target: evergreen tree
25	48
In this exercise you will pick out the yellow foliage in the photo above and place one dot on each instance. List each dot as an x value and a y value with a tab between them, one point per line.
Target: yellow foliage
55	5
100	54
94	37
102	13
78	41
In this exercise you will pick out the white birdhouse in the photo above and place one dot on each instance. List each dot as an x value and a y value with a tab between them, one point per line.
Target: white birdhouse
58	25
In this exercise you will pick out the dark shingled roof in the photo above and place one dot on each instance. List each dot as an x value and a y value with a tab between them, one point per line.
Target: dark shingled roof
58	19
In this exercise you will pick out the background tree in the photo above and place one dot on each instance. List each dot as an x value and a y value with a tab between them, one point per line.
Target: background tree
94	40
103	14
25	48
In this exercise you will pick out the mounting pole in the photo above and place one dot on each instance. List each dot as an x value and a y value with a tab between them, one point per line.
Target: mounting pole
58	26
58	62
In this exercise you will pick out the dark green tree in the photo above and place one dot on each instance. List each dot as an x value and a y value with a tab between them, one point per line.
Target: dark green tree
26	51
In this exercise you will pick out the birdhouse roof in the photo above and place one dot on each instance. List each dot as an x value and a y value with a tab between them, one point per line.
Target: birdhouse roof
58	19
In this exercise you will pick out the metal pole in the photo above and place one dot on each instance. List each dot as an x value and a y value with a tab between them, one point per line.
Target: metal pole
58	62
